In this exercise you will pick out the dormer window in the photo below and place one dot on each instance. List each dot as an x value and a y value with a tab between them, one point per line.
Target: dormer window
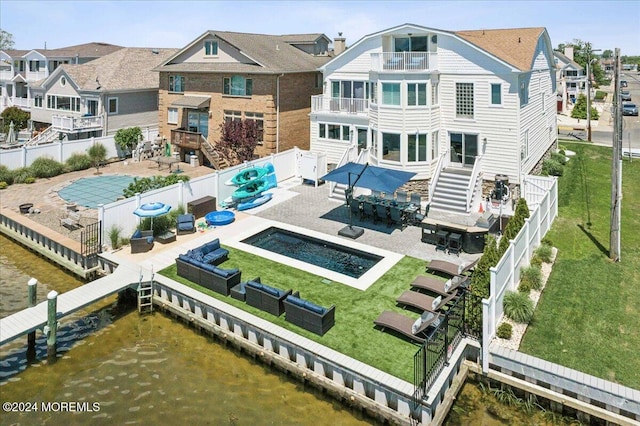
210	48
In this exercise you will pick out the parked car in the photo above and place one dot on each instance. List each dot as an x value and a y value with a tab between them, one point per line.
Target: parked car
625	95
630	109
623	83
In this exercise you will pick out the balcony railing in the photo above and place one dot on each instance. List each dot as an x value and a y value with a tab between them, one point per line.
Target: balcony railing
36	75
20	102
321	103
403	61
185	139
6	74
67	123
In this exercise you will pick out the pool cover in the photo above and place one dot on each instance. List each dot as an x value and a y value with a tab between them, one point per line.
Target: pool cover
90	192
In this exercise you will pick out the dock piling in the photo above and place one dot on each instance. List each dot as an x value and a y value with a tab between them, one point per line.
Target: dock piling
51	329
32	285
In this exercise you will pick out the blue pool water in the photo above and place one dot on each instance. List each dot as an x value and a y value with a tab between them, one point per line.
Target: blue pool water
337	258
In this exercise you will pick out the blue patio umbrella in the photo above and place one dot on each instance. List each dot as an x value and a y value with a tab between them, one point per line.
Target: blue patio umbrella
152	210
370	177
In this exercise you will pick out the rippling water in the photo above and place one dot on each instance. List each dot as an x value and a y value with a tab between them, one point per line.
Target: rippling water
141	369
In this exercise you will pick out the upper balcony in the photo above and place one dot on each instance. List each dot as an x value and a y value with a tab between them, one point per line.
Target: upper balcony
186	139
404	61
66	123
22	103
6	74
36	75
322	103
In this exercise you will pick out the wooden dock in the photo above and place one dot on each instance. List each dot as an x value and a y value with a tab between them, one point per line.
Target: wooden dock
31	319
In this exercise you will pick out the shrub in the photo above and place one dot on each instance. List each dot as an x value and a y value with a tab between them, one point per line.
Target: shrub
3	184
544	252
562	148
504	331
6	175
114	236
560	158
524	287
30	179
78	161
548	241
97	154
531	277
46	167
148	183
551	168
600	95
480	278
20	175
518	307
536	261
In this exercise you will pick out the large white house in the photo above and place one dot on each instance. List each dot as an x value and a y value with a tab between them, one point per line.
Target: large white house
472	103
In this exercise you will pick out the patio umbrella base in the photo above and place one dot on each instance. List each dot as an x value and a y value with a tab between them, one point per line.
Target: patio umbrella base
352	232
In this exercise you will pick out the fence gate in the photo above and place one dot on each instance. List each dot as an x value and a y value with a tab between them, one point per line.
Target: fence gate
91	244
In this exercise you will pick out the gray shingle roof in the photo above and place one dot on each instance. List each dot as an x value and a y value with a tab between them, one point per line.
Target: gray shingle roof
125	69
86	50
271	54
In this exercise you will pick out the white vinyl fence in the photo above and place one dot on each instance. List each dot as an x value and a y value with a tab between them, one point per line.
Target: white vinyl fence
23	156
541	194
119	214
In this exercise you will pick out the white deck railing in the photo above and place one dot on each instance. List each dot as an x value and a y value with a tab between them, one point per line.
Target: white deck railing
20	102
71	123
403	61
473	180
443	161
349	154
321	103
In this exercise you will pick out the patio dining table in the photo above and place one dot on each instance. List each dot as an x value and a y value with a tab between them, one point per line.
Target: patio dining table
408	208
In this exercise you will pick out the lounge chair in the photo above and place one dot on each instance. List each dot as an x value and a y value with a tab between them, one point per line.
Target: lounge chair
422	301
185	224
407	326
435	285
449	268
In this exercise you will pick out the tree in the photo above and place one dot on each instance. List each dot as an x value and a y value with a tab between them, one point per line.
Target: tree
481	278
580	109
239	140
97	153
6	40
607	54
19	117
127	139
514	226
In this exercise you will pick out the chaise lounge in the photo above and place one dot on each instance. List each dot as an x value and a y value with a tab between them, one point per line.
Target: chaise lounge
422	301
416	330
308	315
265	297
435	285
449	268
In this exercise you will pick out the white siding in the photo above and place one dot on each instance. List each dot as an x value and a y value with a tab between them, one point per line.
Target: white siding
354	63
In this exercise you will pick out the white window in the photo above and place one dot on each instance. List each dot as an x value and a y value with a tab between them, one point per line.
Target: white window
391	93
63	103
172	117
391	146
37	101
258	117
464	100
210	48
524	92
373	92
496	94
334	131
237	85
112	105
318	80
417	94
524	153
232	116
176	83
374	142
417	147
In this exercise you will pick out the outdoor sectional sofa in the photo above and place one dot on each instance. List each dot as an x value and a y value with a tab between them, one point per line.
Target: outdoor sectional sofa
264	297
308	315
202	268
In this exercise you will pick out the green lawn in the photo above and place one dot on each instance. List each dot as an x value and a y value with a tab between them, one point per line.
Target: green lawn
589	315
354	333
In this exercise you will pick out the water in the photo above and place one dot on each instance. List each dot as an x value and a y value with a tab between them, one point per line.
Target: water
337	258
142	369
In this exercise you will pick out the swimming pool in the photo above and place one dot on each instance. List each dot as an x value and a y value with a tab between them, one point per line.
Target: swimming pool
91	191
335	257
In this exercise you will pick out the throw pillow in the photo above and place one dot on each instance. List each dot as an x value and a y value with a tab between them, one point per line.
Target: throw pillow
137	234
416	325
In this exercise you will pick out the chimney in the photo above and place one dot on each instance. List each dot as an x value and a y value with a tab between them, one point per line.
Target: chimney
339	45
568	52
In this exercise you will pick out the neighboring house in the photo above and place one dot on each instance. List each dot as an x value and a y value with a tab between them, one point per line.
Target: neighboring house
19	68
571	79
472	103
223	76
116	91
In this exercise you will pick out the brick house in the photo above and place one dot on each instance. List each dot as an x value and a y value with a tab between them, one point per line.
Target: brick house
231	76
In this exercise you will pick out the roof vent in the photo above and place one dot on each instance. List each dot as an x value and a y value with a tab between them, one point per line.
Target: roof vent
518	39
155	51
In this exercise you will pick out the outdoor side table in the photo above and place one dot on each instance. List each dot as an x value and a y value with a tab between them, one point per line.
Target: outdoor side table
167	237
442	238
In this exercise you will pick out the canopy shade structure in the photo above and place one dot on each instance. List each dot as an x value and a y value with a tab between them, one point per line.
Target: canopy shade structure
370	177
152	210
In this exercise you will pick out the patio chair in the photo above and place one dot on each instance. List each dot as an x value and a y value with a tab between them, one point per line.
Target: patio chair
416	199
437	286
401	196
413	329
354	205
449	268
376	193
423	301
389	196
367	210
381	213
186	224
398	216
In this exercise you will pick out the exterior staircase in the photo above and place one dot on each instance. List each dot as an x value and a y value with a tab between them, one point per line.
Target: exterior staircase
212	155
450	191
46	136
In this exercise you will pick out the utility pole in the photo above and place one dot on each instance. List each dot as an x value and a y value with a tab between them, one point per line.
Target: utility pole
616	165
589	52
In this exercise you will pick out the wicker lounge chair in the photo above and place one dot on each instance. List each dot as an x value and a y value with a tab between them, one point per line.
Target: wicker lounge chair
435	285
449	268
422	301
403	324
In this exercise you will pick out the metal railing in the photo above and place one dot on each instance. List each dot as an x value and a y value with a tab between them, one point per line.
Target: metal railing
321	103
403	61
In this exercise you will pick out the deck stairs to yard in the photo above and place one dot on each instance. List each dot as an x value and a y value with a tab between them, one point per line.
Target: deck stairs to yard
145	297
450	191
46	136
212	155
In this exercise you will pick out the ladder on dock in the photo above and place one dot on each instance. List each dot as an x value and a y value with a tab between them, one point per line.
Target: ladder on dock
145	297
